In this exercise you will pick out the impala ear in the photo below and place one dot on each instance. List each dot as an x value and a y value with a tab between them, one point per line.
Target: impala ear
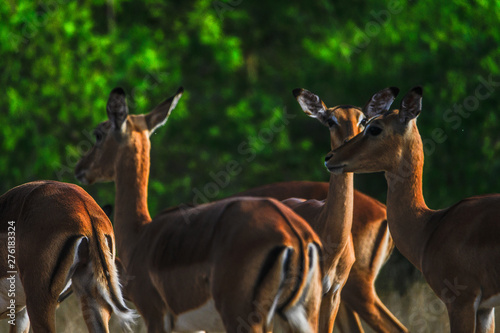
311	104
411	105
158	117
380	102
117	108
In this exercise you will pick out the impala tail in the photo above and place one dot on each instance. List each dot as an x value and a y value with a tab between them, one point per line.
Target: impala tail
109	285
307	298
299	289
94	278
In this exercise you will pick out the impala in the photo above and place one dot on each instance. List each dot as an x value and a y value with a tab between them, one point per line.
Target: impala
236	264
332	218
372	247
55	237
456	248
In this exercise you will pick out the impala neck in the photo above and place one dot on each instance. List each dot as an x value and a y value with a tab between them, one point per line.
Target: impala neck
335	219
131	198
407	213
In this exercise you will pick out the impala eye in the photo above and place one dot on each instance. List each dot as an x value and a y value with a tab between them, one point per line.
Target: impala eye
374	131
98	136
331	122
362	124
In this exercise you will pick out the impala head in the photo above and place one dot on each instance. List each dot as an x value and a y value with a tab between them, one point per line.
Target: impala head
344	121
121	137
381	146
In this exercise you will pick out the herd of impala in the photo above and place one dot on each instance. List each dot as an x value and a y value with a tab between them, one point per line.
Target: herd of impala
253	262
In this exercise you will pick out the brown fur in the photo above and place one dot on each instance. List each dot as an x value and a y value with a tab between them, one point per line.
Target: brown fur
369	233
332	218
227	251
49	219
457	248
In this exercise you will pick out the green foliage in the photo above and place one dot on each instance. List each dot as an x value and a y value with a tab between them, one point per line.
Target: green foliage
238	61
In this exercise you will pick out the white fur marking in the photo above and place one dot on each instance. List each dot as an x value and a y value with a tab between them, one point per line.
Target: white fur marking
366	129
305	106
310	108
383	255
297	319
172	106
335	120
22	321
167	325
490	302
68	285
369	122
204	318
296	316
487	321
175	101
360	119
336	287
73	265
110	248
126	318
327	284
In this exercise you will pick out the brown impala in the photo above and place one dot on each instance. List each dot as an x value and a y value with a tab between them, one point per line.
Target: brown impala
332	219
229	265
456	248
371	239
55	237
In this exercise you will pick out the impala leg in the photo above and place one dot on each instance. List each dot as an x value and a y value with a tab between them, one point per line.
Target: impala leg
347	320
313	303
42	313
388	321
96	315
155	321
240	317
155	326
96	312
462	317
240	312
485	321
363	299
328	311
150	307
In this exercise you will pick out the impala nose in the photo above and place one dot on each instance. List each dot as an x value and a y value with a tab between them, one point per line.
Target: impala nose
328	157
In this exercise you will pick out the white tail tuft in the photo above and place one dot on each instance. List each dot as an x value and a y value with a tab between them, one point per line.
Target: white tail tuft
296	316
74	266
86	275
111	291
126	316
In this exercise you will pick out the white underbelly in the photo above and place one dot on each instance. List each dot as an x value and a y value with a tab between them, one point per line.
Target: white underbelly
204	318
11	289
